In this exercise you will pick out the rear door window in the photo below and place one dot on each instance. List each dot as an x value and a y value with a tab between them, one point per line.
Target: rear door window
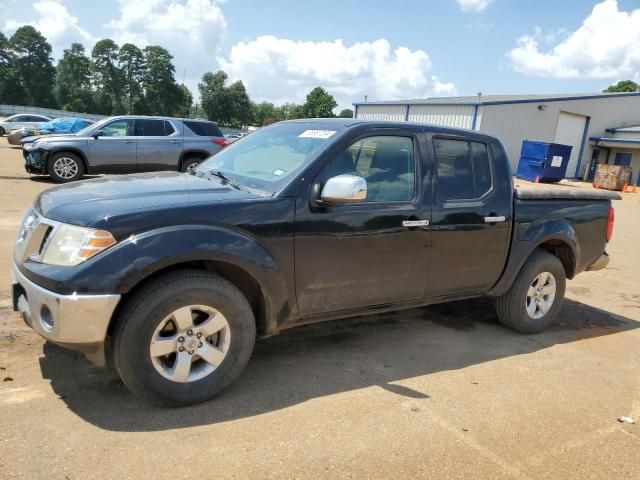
203	129
464	169
168	128
145	127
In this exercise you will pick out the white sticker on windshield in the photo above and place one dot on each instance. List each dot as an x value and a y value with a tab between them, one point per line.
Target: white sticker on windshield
316	134
278	172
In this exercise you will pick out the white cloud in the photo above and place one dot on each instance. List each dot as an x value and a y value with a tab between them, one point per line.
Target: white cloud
56	24
191	30
606	45
279	70
474	5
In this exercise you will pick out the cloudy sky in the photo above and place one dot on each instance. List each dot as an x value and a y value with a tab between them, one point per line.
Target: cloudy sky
387	50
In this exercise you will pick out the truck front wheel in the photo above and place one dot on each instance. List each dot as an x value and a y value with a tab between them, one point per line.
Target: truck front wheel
183	338
535	298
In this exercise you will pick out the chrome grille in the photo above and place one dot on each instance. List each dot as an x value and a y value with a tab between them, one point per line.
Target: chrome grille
34	232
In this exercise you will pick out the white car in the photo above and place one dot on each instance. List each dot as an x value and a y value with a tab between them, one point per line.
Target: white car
21	120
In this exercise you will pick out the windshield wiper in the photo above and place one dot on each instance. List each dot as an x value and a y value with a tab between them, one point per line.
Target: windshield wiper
230	181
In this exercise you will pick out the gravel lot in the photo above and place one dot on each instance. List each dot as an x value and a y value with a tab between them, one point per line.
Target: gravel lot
442	392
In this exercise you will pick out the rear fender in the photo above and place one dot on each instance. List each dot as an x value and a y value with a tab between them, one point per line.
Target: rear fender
529	237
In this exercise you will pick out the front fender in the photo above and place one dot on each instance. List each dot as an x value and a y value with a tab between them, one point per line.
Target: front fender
135	258
62	147
528	237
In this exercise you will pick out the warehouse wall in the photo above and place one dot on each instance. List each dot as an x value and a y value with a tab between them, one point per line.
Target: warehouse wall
516	122
450	116
446	115
381	112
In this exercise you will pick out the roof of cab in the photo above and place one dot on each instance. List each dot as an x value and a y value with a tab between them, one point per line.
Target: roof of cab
349	122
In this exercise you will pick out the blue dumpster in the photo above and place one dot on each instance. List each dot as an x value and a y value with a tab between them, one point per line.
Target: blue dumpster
546	161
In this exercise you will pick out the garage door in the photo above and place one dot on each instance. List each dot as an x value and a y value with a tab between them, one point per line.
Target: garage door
570	131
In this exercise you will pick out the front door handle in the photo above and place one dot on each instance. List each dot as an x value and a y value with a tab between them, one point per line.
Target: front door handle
415	223
176	141
495	219
129	141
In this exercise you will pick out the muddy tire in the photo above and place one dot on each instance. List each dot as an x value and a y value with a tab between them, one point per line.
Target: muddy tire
190	163
535	298
183	338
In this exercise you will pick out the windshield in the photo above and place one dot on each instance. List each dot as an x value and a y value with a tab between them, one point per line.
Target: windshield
267	159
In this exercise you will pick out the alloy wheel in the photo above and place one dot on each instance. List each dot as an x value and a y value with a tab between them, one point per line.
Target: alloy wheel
190	343
540	295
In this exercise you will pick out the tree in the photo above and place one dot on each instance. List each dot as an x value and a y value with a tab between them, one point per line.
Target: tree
213	96
623	86
6	61
73	80
261	112
346	113
319	104
160	87
32	69
107	77
134	70
185	101
290	111
240	105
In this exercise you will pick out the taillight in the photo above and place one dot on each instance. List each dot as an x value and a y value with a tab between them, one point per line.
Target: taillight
610	219
220	141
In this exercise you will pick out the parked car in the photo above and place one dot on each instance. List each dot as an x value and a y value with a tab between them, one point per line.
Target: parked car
232	137
21	120
300	222
59	126
124	144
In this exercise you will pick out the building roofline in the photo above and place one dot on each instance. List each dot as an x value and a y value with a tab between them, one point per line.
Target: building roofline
623	129
405	103
614	140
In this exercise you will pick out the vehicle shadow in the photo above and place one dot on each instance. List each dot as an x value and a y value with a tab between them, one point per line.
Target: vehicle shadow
325	359
49	180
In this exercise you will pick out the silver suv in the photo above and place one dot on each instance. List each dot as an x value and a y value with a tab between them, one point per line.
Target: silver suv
124	144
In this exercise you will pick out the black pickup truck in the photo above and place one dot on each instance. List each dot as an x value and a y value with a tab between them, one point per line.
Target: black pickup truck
303	221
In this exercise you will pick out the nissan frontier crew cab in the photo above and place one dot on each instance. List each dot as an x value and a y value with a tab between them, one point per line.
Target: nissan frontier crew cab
302	221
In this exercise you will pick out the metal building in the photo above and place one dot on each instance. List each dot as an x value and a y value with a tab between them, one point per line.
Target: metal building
570	119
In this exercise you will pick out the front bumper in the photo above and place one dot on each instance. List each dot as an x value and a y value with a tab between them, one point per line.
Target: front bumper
600	263
35	160
78	322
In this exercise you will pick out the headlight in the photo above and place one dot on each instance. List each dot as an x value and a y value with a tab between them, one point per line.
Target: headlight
71	245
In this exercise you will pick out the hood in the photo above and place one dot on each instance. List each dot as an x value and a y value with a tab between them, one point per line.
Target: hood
58	137
99	202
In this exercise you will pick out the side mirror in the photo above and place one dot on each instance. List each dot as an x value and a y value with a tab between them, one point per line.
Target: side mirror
344	189
97	133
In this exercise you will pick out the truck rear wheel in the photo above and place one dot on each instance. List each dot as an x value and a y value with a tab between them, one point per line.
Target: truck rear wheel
183	338
534	300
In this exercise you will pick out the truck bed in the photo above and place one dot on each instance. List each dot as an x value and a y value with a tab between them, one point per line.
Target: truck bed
567	193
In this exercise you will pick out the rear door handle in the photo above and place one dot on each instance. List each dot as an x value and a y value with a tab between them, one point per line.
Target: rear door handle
415	223
495	219
129	141
176	141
